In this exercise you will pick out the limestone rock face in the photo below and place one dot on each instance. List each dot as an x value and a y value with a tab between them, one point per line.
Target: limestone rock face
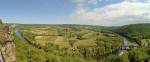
7	47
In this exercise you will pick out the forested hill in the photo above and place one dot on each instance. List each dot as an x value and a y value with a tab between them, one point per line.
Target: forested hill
137	32
134	28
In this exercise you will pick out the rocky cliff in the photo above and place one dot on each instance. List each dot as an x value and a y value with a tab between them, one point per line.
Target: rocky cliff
7	47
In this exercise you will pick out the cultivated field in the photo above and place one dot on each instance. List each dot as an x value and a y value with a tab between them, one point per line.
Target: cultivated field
61	36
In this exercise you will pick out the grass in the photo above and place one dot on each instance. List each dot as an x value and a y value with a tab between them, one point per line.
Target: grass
44	31
111	35
57	40
84	31
61	42
84	43
45	39
91	35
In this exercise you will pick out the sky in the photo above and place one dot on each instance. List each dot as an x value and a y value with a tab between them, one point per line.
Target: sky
88	12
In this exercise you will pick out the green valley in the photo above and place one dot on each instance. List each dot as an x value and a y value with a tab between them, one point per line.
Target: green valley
79	43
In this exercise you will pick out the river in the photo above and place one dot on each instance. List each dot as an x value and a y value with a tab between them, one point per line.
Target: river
19	34
22	37
126	42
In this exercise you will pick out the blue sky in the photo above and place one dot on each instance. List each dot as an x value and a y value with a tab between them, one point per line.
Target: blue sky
91	12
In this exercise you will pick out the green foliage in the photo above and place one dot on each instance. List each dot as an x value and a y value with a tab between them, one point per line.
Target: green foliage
147	40
79	36
123	58
52	58
149	44
136	32
108	32
53	53
140	55
135	29
27	53
71	42
57	47
28	35
111	58
0	21
137	56
76	29
100	51
49	47
60	33
106	35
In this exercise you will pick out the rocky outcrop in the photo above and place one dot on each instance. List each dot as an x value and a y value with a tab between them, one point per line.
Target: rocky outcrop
4	28
7	47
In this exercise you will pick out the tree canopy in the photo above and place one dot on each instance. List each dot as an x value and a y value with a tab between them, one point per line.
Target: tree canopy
136	32
0	21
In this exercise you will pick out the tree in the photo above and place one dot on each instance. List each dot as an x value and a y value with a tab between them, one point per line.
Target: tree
107	35
132	46
79	36
57	47
71	42
107	47
60	33
136	56
149	44
0	21
147	40
111	58
100	51
122	59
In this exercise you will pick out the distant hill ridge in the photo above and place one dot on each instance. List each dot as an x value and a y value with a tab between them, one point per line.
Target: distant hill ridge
135	28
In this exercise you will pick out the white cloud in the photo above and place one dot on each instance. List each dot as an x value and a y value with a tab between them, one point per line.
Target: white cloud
79	0
122	13
79	5
148	0
134	0
100	0
104	0
80	11
107	0
92	1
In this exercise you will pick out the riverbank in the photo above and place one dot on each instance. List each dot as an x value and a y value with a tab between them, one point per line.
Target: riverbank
131	40
19	34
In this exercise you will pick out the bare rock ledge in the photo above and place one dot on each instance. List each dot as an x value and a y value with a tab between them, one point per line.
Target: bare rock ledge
7	47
